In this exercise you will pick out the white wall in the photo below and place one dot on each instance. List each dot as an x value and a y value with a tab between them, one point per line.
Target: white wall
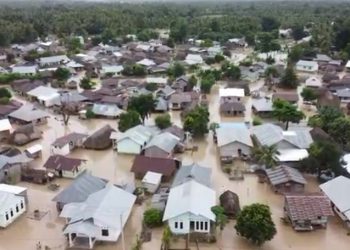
3	222
128	146
185	220
60	151
72	175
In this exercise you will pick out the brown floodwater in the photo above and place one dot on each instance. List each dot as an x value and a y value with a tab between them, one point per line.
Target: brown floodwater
25	233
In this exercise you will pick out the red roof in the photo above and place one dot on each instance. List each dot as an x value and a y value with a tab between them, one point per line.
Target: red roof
308	206
60	162
143	164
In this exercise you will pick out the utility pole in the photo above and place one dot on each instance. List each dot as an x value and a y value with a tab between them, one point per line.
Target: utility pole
122	230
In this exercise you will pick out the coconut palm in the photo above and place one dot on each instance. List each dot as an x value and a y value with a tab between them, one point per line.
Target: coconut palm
266	155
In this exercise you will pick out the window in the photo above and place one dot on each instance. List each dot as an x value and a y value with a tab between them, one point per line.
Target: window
181	225
22	205
17	209
197	225
5	172
105	232
175	224
206	226
7	216
201	225
11	213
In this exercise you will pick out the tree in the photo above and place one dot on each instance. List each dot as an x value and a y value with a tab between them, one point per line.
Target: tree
269	24
61	74
4	92
163	121
266	155
231	71
326	115
254	223
142	104
74	45
286	112
196	121
339	130
192	82
86	83
153	217
309	94
134	70
166	237
176	70
128	120
323	155
289	80
298	32
207	82
178	30
152	86
220	217
89	114
219	58
266	42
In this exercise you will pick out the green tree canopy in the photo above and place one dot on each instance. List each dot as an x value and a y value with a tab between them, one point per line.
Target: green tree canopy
61	74
220	217
163	121
86	83
207	82
153	218
176	70
196	121
309	94
326	115
142	104
266	155
128	120
286	112
289	80
254	223
339	130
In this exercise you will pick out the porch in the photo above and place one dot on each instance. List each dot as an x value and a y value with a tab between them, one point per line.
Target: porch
80	242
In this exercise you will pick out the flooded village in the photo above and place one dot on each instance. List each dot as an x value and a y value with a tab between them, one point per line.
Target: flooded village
74	176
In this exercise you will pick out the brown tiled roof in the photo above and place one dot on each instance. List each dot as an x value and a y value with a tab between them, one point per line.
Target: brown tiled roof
143	164
60	162
287	96
112	99
232	106
181	98
308	206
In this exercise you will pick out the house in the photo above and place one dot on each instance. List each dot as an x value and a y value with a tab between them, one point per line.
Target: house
11	207
160	81
194	172
313	82
165	92
180	83
111	70
66	144
63	166
79	189
248	74
307	212
231	94
180	101
101	217
16	190
336	191
28	115
25	134
213	51
161	105
75	65
5	129
177	131
161	68
344	95
307	66
143	164
327	99
161	145
322	58
34	151
194	59
347	66
53	61
151	181
8	108
233	142
328	77
262	107
146	62
23	86
133	140
100	139
25	70
284	179
232	108
11	166
290	96
110	111
188	210
44	95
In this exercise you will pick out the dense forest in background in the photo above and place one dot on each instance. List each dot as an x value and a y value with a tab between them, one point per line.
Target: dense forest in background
330	22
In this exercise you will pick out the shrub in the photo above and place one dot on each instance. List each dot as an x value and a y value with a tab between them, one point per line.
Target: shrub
257	121
153	218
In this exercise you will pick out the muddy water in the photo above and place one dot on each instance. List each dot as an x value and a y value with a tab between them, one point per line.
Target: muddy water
25	233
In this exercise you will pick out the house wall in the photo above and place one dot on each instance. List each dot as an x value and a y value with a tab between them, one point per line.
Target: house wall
65	150
185	219
306	68
289	187
4	135
4	222
128	146
75	173
156	152
151	188
11	174
232	149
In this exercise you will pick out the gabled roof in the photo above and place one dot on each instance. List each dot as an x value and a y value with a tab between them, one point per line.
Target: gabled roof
109	110
307	63
24	69
54	59
231	92
81	187
71	137
27	113
195	172
337	192
283	174
143	164
140	134
227	135
308	206
60	162
5	125
262	105
165	141
43	92
190	197
107	208
8	200
162	105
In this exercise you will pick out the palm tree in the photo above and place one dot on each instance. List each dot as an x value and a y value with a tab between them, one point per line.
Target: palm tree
266	155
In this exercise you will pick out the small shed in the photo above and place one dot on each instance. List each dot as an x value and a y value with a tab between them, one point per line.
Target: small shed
34	151
230	202
151	181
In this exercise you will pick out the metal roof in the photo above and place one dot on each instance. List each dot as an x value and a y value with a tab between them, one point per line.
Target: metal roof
283	174
227	135
195	172
165	141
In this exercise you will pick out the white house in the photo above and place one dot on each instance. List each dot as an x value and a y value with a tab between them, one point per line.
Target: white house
101	217
307	66
146	62
25	70
44	95
53	61
347	66
65	144
231	94
111	69
5	129
189	208
133	140
151	181
11	207
193	59
313	82
336	191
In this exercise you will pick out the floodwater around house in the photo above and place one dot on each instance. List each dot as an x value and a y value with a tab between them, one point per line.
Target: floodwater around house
25	233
